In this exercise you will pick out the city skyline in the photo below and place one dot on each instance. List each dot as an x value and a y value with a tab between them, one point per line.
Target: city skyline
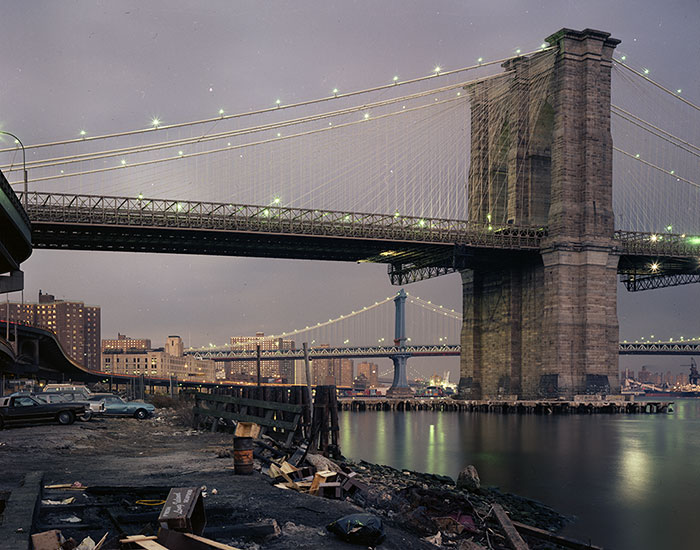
70	72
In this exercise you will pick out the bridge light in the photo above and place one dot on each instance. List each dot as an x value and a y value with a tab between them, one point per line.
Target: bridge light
654	238
180	152
396	79
278	102
543	45
279	134
140	196
276	200
480	60
654	267
366	116
221	111
82	132
155	122
678	91
646	71
517	51
421	223
669	228
623	57
123	161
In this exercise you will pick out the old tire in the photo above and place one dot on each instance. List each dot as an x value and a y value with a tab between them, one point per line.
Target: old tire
141	414
87	415
65	417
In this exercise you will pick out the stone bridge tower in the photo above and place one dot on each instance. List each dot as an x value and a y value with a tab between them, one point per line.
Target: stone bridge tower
541	154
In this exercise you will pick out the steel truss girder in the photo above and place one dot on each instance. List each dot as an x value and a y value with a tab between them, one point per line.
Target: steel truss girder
637	283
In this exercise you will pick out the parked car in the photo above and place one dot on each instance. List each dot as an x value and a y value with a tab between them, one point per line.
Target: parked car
116	406
92	408
80	388
24	409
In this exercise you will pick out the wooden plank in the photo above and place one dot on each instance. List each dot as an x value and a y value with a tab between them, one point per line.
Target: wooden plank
137	538
551	537
515	541
268	422
287	407
211	543
149	545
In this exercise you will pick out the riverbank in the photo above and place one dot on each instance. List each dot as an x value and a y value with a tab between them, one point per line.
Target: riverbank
160	453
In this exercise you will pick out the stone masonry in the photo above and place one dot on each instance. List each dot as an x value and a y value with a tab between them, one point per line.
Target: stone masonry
542	154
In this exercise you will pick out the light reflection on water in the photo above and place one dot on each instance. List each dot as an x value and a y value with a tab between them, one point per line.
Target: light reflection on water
632	481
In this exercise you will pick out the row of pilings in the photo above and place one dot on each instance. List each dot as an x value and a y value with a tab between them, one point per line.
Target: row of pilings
506	407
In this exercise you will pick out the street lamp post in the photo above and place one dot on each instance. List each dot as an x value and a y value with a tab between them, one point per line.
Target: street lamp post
24	164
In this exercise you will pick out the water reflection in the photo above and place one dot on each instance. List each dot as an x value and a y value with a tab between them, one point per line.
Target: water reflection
630	480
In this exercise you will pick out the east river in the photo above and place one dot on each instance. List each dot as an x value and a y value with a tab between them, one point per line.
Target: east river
631	481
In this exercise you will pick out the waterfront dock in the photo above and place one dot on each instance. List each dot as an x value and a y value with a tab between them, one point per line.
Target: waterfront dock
577	406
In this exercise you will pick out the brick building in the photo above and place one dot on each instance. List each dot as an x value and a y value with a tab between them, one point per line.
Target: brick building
77	326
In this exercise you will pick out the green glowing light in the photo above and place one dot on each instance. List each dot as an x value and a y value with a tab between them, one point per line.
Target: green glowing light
396	79
694	240
82	132
221	111
481	59
276	200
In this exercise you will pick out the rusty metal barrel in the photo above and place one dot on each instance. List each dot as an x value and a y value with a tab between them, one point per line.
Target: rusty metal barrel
243	455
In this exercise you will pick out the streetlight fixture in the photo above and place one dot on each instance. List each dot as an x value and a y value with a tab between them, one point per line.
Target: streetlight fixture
24	164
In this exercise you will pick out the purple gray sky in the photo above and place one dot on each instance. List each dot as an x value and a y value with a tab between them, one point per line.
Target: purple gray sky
112	65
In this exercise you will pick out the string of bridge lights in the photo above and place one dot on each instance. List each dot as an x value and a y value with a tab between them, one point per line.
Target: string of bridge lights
157	124
651	340
97	155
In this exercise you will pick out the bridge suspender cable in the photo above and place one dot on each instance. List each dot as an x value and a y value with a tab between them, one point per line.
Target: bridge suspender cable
280	107
240	146
661	87
44	163
655	167
656	131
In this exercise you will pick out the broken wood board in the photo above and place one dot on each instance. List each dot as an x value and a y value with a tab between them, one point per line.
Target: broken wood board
515	541
551	537
320	477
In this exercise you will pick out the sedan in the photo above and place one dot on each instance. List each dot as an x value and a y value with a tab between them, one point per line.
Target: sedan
24	409
91	408
116	406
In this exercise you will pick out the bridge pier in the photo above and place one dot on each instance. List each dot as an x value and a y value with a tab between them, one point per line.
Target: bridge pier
545	326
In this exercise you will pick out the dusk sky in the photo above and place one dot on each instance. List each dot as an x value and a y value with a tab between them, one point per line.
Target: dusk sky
112	65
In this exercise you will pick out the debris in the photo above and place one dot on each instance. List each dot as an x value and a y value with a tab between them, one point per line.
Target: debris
184	510
514	539
551	537
436	539
322	463
87	544
469	479
247	429
48	540
71	519
365	529
320	477
243	455
68	500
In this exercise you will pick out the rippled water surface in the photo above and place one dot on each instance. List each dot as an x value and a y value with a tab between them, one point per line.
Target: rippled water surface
632	481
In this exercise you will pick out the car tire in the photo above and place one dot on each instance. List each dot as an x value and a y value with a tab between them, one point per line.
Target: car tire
65	417
141	414
87	415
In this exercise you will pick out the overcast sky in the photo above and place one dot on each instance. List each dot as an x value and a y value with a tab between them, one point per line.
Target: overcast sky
111	65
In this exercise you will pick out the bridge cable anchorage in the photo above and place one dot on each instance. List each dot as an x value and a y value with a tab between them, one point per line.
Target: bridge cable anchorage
279	107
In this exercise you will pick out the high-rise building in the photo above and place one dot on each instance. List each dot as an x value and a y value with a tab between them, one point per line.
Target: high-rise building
332	372
76	325
371	372
125	344
283	368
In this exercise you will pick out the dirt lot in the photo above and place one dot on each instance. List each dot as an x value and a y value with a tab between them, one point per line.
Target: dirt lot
154	452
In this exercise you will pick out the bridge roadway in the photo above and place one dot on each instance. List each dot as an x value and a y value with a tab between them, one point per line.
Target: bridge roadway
415	248
226	354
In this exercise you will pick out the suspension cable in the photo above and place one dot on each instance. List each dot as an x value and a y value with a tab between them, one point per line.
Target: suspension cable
655	167
280	107
661	87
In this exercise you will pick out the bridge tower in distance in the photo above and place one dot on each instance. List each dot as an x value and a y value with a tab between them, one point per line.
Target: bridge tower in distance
541	154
